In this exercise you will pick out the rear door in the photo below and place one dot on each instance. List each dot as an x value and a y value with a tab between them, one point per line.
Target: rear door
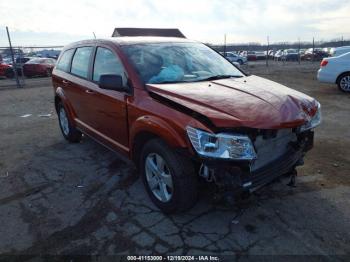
76	85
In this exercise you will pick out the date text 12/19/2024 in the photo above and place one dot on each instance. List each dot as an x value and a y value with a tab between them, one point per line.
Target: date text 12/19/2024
173	258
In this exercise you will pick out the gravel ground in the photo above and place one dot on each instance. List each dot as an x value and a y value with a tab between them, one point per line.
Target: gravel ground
74	199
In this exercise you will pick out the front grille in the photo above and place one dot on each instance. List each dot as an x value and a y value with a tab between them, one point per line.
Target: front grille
268	149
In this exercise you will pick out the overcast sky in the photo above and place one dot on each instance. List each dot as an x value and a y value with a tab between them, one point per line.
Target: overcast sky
42	22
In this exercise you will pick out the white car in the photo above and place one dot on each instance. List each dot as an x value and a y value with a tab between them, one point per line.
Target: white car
336	70
337	51
232	57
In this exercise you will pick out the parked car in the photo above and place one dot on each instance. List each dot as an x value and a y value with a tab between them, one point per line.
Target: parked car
3	68
250	55
337	51
290	55
336	70
182	112
271	54
260	55
232	57
39	67
20	61
327	50
302	52
278	55
317	54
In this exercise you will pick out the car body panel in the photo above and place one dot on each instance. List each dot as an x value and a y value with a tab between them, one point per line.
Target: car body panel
226	102
339	50
3	68
335	67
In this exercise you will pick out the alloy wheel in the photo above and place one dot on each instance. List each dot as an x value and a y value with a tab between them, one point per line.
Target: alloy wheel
64	121
158	177
345	83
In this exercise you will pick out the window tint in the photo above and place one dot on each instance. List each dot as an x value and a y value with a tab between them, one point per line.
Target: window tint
64	62
80	62
106	62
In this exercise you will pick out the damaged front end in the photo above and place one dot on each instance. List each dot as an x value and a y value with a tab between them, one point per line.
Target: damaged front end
249	159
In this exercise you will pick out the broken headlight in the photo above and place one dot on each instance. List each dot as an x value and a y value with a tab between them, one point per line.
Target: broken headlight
314	121
222	145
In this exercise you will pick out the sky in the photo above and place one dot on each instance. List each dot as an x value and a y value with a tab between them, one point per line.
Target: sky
43	22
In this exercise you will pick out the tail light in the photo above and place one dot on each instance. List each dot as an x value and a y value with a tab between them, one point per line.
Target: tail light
324	63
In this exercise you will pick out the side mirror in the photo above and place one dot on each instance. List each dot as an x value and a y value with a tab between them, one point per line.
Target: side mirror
112	82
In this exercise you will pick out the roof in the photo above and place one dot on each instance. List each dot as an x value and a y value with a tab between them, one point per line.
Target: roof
164	32
131	40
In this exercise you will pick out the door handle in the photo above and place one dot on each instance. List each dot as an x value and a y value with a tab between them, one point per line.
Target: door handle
65	82
88	91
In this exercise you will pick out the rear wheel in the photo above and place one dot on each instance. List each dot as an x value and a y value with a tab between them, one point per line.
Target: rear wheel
240	61
168	177
344	82
69	132
48	72
9	73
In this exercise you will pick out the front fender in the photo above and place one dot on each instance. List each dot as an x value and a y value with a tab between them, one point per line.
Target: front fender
160	128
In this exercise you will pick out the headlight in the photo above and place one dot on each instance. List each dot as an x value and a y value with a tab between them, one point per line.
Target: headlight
226	146
314	121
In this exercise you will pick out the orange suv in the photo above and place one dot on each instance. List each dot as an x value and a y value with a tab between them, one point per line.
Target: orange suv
182	112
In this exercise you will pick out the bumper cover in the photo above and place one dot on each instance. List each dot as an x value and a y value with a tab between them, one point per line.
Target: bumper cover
268	173
238	174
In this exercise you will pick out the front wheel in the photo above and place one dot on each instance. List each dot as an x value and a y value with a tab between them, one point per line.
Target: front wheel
68	131
344	82
168	177
240	61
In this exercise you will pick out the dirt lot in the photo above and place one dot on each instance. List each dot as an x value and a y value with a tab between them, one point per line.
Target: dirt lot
60	198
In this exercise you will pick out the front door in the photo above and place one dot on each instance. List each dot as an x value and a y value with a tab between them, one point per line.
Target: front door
105	110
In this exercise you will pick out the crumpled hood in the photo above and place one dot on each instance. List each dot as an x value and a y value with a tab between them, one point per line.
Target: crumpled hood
251	101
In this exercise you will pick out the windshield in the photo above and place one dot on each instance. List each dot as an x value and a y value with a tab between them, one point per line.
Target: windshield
178	62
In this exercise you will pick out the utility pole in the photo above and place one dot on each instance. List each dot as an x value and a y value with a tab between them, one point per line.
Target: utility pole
342	40
299	50
13	59
267	51
225	45
313	49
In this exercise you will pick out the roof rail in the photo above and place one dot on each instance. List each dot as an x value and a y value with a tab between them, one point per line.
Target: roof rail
167	32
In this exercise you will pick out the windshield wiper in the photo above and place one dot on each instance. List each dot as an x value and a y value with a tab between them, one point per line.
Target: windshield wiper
167	82
217	77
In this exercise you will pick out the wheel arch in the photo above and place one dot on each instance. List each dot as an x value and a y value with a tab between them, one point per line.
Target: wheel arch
61	98
340	75
149	127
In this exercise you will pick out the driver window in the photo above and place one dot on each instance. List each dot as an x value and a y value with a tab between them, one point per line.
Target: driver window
106	62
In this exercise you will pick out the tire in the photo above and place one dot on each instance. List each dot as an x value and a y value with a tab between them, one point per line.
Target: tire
177	177
69	132
10	73
343	82
48	73
240	61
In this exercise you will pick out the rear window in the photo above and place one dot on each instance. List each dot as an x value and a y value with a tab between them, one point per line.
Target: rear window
64	62
80	62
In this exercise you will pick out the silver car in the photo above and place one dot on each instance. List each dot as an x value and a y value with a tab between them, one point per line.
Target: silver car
232	57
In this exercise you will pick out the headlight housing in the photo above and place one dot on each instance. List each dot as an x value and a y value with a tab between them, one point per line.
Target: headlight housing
222	145
314	121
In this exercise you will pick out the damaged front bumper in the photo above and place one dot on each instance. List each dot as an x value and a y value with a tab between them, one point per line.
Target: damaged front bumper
240	176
